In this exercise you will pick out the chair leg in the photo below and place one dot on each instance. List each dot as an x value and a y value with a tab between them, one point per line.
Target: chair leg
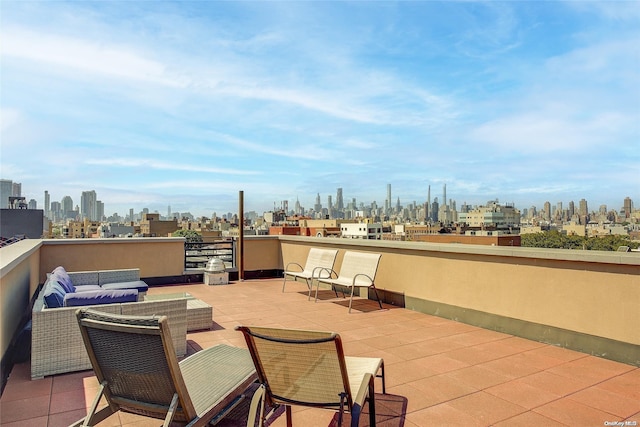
384	386
288	412
172	410
284	282
356	410
257	404
377	297
351	299
93	416
372	403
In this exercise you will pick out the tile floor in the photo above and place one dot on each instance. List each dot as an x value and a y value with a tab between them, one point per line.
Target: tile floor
439	372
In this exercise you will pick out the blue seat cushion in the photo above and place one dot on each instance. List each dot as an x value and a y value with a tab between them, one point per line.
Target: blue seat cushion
54	294
139	285
100	297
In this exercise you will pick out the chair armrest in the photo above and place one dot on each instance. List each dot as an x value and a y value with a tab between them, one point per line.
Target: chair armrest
366	387
293	263
362	274
330	273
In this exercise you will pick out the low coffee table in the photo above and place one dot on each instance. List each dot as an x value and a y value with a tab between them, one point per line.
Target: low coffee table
199	313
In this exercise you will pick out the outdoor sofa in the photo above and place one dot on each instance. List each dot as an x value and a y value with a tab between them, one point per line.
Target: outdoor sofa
56	342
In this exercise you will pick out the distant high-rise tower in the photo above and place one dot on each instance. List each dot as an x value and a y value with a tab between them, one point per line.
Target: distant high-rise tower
435	207
547	211
6	191
583	211
67	207
572	209
169	212
387	203
339	200
444	195
427	209
627	207
298	207
318	206
329	203
55	210
99	210
47	204
88	205
16	189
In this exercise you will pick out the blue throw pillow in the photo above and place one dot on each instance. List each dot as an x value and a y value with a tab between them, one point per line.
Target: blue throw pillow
63	278
65	283
54	294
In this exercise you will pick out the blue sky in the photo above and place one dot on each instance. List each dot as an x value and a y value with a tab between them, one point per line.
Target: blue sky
153	104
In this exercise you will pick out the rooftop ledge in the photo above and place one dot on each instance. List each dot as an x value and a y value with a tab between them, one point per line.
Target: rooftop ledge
17	252
603	257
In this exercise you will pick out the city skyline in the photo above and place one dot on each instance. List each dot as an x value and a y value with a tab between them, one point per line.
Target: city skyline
152	104
432	196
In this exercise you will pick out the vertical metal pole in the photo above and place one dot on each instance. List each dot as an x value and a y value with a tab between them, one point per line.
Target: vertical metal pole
241	236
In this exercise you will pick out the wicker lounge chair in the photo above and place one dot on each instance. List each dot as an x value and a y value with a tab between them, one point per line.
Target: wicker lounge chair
138	371
358	270
318	260
309	368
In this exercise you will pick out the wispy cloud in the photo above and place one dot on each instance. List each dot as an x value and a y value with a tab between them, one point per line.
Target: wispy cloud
316	95
83	56
165	166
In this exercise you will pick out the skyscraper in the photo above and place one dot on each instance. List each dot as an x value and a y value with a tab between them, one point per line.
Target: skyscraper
387	203
572	209
427	208
67	207
99	210
339	200
88	205
6	191
547	211
627	207
47	203
444	195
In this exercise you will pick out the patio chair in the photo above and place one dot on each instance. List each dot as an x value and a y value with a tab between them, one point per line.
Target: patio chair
138	371
309	368
318	260
358	270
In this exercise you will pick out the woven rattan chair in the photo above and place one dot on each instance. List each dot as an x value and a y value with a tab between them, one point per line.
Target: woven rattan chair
138	371
309	368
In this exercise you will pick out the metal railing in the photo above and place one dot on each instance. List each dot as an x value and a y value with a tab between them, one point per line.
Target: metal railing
198	254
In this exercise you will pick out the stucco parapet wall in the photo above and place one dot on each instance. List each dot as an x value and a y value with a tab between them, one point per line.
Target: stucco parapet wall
116	240
14	254
598	257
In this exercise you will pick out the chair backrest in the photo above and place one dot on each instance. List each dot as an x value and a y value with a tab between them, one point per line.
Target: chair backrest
355	263
300	367
134	358
317	257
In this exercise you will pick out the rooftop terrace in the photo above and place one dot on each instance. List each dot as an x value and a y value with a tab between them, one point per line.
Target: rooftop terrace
536	336
439	371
